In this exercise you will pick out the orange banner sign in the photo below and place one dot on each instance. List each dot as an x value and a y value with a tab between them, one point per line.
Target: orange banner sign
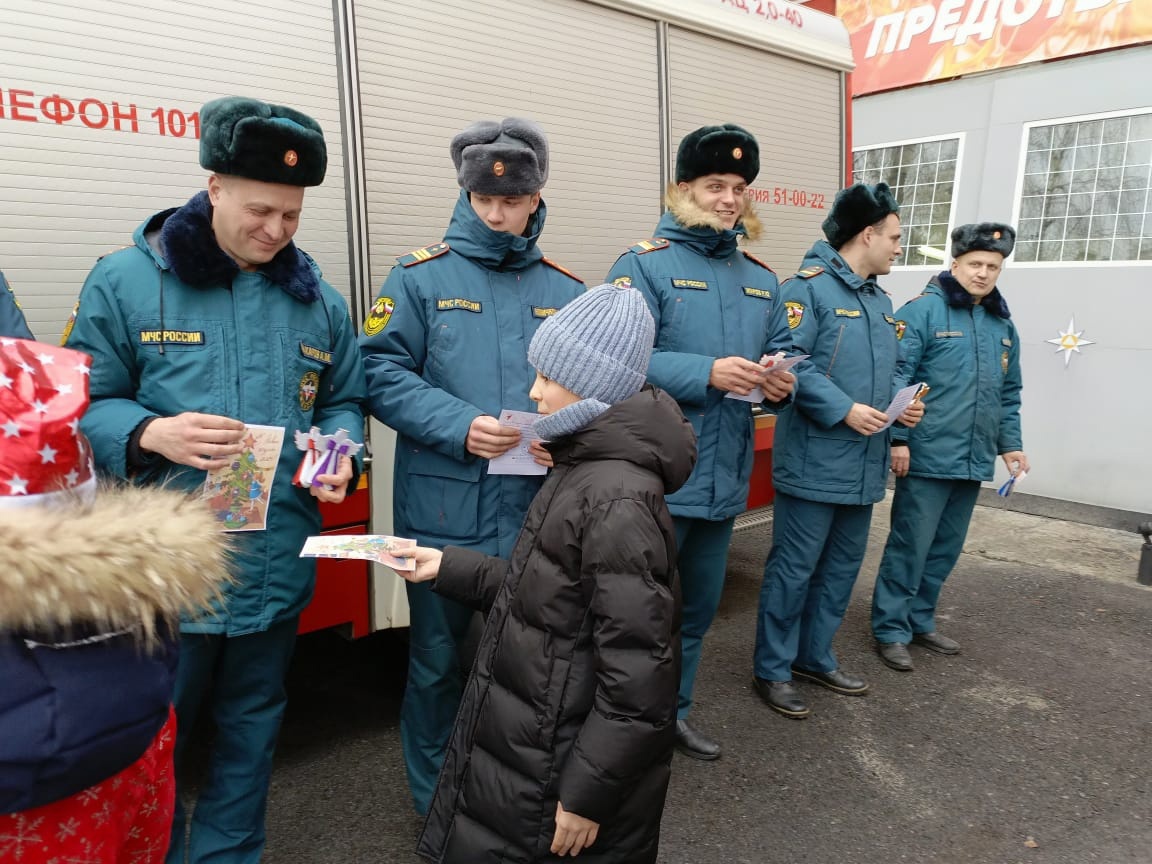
901	42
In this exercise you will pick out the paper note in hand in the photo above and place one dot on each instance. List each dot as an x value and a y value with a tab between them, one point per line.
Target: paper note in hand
240	493
1006	490
380	548
518	460
904	397
776	363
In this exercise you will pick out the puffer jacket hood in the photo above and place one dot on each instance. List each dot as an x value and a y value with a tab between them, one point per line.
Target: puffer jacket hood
133	556
496	250
648	429
89	594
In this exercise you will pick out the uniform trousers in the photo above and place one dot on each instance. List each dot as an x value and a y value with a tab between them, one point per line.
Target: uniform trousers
438	627
239	682
929	524
817	549
702	559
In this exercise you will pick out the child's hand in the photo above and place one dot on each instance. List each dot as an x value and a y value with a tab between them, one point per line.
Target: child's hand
573	833
540	454
427	563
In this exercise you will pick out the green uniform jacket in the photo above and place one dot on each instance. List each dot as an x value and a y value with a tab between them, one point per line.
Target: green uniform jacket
709	300
173	325
845	323
969	355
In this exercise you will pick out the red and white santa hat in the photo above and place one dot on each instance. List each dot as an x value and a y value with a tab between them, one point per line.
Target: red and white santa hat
43	395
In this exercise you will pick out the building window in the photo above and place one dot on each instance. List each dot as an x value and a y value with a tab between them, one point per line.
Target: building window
922	175
1084	195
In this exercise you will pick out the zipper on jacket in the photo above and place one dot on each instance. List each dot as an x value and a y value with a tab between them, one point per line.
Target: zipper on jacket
835	351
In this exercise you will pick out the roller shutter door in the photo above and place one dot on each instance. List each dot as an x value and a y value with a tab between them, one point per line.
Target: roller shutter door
792	108
587	74
73	190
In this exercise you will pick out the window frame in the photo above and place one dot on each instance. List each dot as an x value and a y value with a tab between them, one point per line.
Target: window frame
1018	195
959	137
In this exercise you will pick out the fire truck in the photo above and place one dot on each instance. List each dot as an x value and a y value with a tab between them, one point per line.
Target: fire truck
99	124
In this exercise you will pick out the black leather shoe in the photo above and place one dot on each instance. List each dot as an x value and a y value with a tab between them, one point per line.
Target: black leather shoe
895	655
694	743
840	682
781	696
935	642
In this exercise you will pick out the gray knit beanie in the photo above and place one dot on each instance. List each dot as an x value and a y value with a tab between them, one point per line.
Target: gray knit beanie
598	345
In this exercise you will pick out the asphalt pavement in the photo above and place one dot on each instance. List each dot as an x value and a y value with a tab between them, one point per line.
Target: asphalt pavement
1031	746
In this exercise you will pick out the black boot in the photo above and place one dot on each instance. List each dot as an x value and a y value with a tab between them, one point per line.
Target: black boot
781	696
694	743
895	655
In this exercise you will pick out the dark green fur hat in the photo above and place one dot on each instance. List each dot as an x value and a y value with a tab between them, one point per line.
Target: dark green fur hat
725	149
854	209
983	237
270	143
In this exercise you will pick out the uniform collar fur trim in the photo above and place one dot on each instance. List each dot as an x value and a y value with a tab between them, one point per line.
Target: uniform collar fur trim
191	251
691	215
956	297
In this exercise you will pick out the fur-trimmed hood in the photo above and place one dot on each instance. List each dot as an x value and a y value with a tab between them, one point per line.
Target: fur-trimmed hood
133	556
691	215
182	240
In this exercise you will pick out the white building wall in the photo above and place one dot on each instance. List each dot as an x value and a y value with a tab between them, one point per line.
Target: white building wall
1087	427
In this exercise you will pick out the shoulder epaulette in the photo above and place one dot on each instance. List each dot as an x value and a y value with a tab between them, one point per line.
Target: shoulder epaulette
756	260
113	251
653	245
419	256
809	272
562	269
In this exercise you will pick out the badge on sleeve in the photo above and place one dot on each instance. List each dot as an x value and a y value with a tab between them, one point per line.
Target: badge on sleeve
1004	362
901	326
795	313
622	281
379	316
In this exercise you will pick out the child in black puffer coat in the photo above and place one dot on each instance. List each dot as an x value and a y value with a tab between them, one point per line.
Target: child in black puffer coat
563	743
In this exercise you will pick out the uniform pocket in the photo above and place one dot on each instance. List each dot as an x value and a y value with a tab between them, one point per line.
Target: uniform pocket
835	457
441	495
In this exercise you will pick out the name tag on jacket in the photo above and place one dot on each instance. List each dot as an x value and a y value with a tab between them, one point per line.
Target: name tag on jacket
317	354
179	337
696	284
458	303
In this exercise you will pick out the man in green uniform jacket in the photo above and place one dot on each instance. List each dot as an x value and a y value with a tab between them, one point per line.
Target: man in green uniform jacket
712	303
12	321
958	338
212	320
445	350
831	458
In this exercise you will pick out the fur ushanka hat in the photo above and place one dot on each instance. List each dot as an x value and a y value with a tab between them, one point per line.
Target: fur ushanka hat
983	237
271	143
505	158
854	209
725	149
